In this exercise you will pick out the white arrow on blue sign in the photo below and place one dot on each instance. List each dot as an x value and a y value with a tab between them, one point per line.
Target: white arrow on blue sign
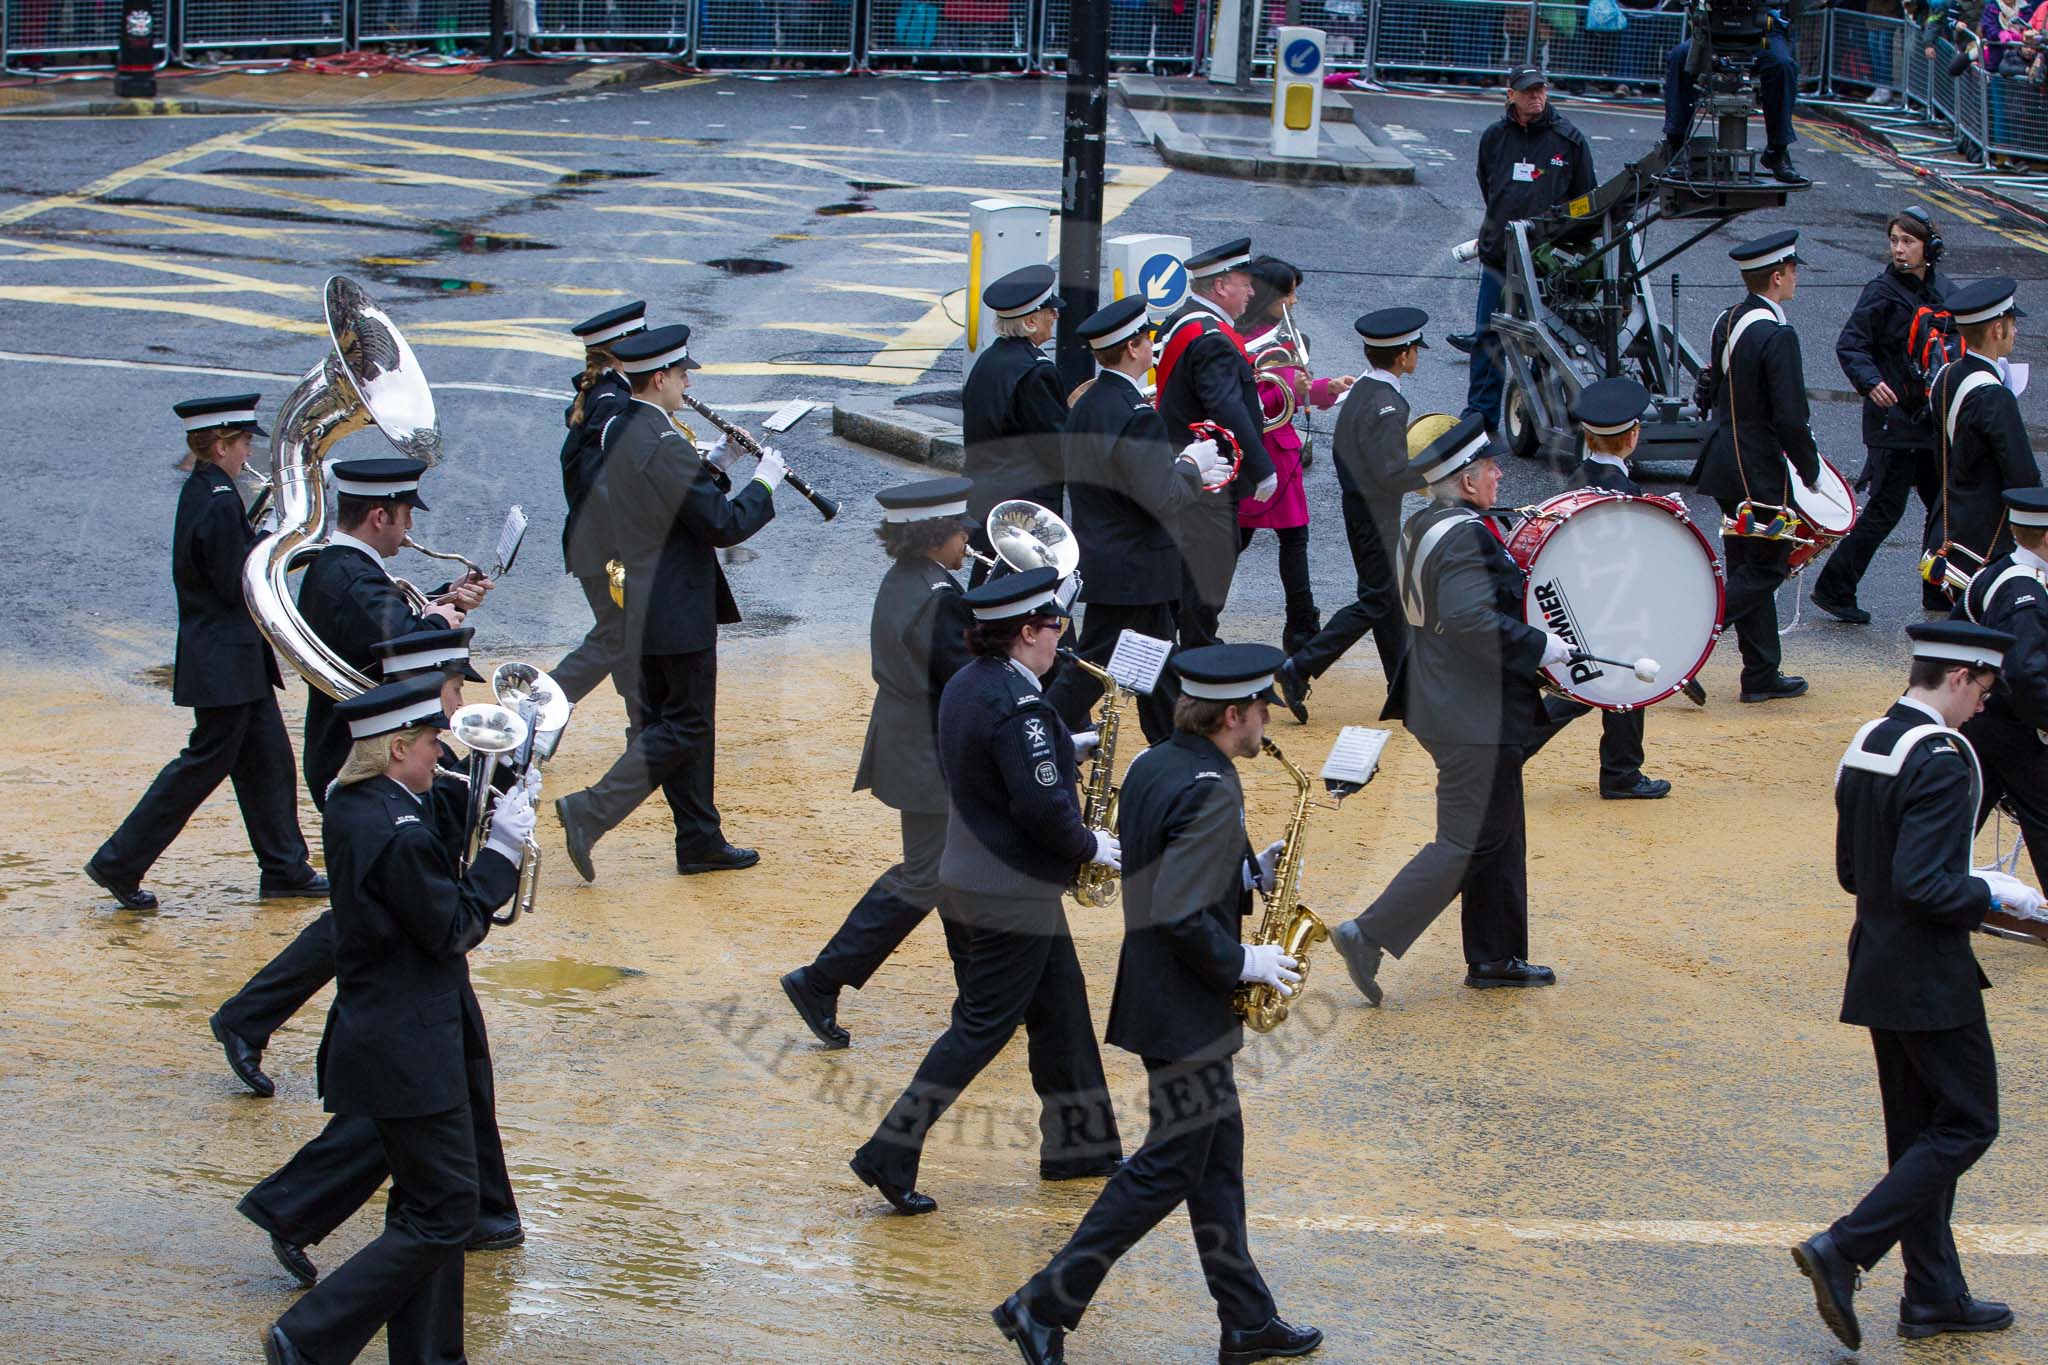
1163	280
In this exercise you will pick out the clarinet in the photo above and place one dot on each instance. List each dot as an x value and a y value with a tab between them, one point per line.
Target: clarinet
827	508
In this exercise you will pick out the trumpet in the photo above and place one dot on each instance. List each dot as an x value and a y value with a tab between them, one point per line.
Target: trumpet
521	728
1282	348
827	508
1941	568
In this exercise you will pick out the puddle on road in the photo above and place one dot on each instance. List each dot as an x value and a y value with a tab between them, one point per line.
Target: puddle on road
870	186
156	675
763	623
280	173
840	210
558	983
261	215
435	284
747	265
464	239
598	177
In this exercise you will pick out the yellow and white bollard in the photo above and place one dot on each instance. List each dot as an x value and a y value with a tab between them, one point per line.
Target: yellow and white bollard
1001	236
1298	91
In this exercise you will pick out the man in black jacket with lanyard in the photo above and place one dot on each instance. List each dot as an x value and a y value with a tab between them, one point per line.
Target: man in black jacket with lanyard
601	395
225	672
1014	840
1205	375
671	516
1128	489
1981	434
1012	407
1905	802
917	640
1755	386
1186	893
1468	690
2011	594
399	1039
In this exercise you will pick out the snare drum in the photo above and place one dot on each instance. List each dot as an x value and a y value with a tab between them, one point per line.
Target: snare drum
1623	577
1826	514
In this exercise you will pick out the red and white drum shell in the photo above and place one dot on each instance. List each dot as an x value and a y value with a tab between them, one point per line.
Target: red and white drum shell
1625	578
1827	514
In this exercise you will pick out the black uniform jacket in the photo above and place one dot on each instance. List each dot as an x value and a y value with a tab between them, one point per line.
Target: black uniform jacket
1766	394
1593	473
2018	710
670	517
1127	486
1902	848
1371	447
1469	676
1988	454
917	640
403	1018
1560	167
1013	815
1011	412
223	660
1212	381
1872	351
586	531
352	605
1181	821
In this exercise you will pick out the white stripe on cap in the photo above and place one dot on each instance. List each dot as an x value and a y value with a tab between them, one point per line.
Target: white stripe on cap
1226	691
1976	315
375	488
1771	257
1228	263
926	513
1123	333
1983	656
1030	307
201	421
656	362
615	331
1456	460
1593	430
1003	611
1400	339
425	658
2022	518
398	718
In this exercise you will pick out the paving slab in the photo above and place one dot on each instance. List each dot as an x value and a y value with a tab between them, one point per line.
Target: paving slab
1237	144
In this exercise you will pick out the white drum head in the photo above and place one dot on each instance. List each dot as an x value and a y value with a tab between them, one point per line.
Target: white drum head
1832	507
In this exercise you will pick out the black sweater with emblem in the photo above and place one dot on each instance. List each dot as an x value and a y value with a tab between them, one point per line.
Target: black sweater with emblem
222	660
1014	817
1128	488
917	640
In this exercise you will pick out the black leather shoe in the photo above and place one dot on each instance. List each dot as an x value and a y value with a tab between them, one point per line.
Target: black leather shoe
1842	611
495	1236
313	886
295	1261
1464	343
1694	693
129	894
1834	1287
578	837
245	1059
905	1201
1963	1314
1784	685
724	858
1362	959
1041	1343
1779	164
1484	976
1643	789
1293	690
278	1348
1098	1169
1276	1338
819	1008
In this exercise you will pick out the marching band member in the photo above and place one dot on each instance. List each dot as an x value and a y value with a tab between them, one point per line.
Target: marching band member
1468	689
1129	490
1986	439
1371	447
1205	374
602	394
225	672
1755	386
1185	896
917	640
1014	839
1905	800
1012	407
2011	594
403	1028
670	516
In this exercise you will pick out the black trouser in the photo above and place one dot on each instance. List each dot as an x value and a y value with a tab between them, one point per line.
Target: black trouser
1377	608
1756	569
2015	767
1073	693
283	985
1209	561
245	744
410	1278
1621	740
1893	475
602	651
1940	1114
1479	854
1017	966
1194	1154
675	751
339	1171
896	904
1303	621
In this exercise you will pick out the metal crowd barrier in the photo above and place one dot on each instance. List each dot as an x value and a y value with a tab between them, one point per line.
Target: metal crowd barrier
1157	32
999	29
67	34
229	24
1568	50
635	21
775	28
1866	52
2017	113
421	21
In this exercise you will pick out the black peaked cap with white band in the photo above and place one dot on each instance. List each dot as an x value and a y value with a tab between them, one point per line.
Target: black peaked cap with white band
610	326
1959	642
1119	322
1453	450
236	410
394	706
1228	672
925	500
1391	327
1023	291
439	651
1609	407
1218	260
1034	592
2027	506
1767	250
657	348
1983	300
389	476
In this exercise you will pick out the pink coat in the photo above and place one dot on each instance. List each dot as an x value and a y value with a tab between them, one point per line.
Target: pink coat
1289	504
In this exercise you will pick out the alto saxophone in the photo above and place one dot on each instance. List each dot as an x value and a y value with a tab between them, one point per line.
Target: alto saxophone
1096	884
1287	922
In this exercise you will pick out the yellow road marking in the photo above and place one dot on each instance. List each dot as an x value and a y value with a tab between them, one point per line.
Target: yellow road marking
141	170
394	175
317	201
584	289
681	84
356	133
153	262
222	227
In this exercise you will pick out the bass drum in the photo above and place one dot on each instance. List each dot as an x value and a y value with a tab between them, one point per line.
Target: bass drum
1625	578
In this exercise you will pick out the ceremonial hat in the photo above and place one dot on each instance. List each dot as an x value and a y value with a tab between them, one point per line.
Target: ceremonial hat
1959	642
1023	291
925	500
1218	260
237	410
2027	506
1034	592
441	651
1526	78
1453	450
1391	327
394	706
1767	250
389	476
1984	300
612	325
1609	407
1121	321
1229	672
657	348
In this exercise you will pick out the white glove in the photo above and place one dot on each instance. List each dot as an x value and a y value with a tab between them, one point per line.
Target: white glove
771	470
2014	896
721	454
1206	458
512	818
1268	486
1556	649
1086	743
1108	851
1267	965
1269	861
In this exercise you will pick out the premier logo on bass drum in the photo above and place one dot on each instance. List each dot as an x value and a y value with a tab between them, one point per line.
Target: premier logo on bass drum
1557	619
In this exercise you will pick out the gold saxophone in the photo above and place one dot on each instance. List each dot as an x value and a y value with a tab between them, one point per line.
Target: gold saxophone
1097	885
1287	922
